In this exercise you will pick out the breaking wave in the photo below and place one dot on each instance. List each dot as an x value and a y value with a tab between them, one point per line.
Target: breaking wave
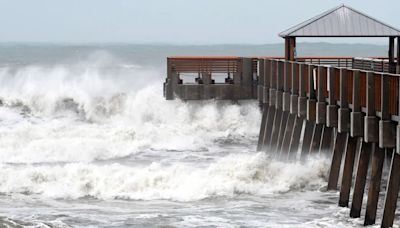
229	176
86	113
73	131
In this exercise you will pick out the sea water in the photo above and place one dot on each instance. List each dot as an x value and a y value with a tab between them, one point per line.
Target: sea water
87	140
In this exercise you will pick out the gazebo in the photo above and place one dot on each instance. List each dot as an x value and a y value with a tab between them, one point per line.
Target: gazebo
343	21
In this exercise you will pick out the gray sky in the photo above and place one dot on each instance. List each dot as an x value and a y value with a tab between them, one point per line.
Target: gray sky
170	21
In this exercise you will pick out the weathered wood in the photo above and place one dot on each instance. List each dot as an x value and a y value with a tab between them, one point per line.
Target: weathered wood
261	77
268	128
361	176
278	105
275	130
262	128
391	55
294	143
343	127
307	139
339	148
371	129
326	140
347	175
282	130
288	134
387	129
374	185
392	191
321	104
398	56
316	139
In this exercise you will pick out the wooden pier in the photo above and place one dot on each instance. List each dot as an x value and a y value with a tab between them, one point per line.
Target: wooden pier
348	108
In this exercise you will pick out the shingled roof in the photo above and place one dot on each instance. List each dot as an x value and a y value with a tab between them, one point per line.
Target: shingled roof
342	21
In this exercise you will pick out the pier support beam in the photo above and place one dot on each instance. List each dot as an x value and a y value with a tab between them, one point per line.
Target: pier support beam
392	191
361	176
316	139
339	148
347	172
374	185
270	83
288	103
310	102
342	124
326	140
279	114
371	137
262	128
356	131
263	71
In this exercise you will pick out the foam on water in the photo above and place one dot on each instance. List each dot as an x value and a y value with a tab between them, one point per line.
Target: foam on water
228	176
75	113
100	130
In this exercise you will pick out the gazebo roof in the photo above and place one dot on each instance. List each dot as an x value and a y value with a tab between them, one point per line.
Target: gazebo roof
342	21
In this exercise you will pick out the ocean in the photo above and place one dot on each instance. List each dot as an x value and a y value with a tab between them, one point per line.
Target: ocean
87	140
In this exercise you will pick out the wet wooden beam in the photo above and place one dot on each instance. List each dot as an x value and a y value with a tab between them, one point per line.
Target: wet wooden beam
392	192
361	177
374	185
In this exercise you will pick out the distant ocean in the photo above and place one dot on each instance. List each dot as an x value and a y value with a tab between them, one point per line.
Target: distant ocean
87	140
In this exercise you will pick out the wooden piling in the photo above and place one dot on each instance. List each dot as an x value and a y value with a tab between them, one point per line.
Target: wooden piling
392	191
290	105
285	129
347	175
278	106
271	78
356	131
316	139
265	106
282	130
343	129
339	148
361	176
294	143
371	136
262	127
326	140
374	185
297	108
310	112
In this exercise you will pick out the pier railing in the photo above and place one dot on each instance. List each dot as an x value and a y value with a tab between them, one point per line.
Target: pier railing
193	77
326	83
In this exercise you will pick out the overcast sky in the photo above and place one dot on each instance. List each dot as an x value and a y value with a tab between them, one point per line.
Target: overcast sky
169	21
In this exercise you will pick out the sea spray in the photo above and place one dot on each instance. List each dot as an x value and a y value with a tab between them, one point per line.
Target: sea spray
228	176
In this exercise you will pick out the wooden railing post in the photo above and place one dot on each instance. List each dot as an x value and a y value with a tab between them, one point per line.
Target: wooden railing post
387	129
260	84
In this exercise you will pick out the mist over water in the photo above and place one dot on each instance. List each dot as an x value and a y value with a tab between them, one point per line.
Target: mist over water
89	140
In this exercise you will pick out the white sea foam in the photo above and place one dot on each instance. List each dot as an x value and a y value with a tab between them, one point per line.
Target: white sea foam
228	176
93	112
